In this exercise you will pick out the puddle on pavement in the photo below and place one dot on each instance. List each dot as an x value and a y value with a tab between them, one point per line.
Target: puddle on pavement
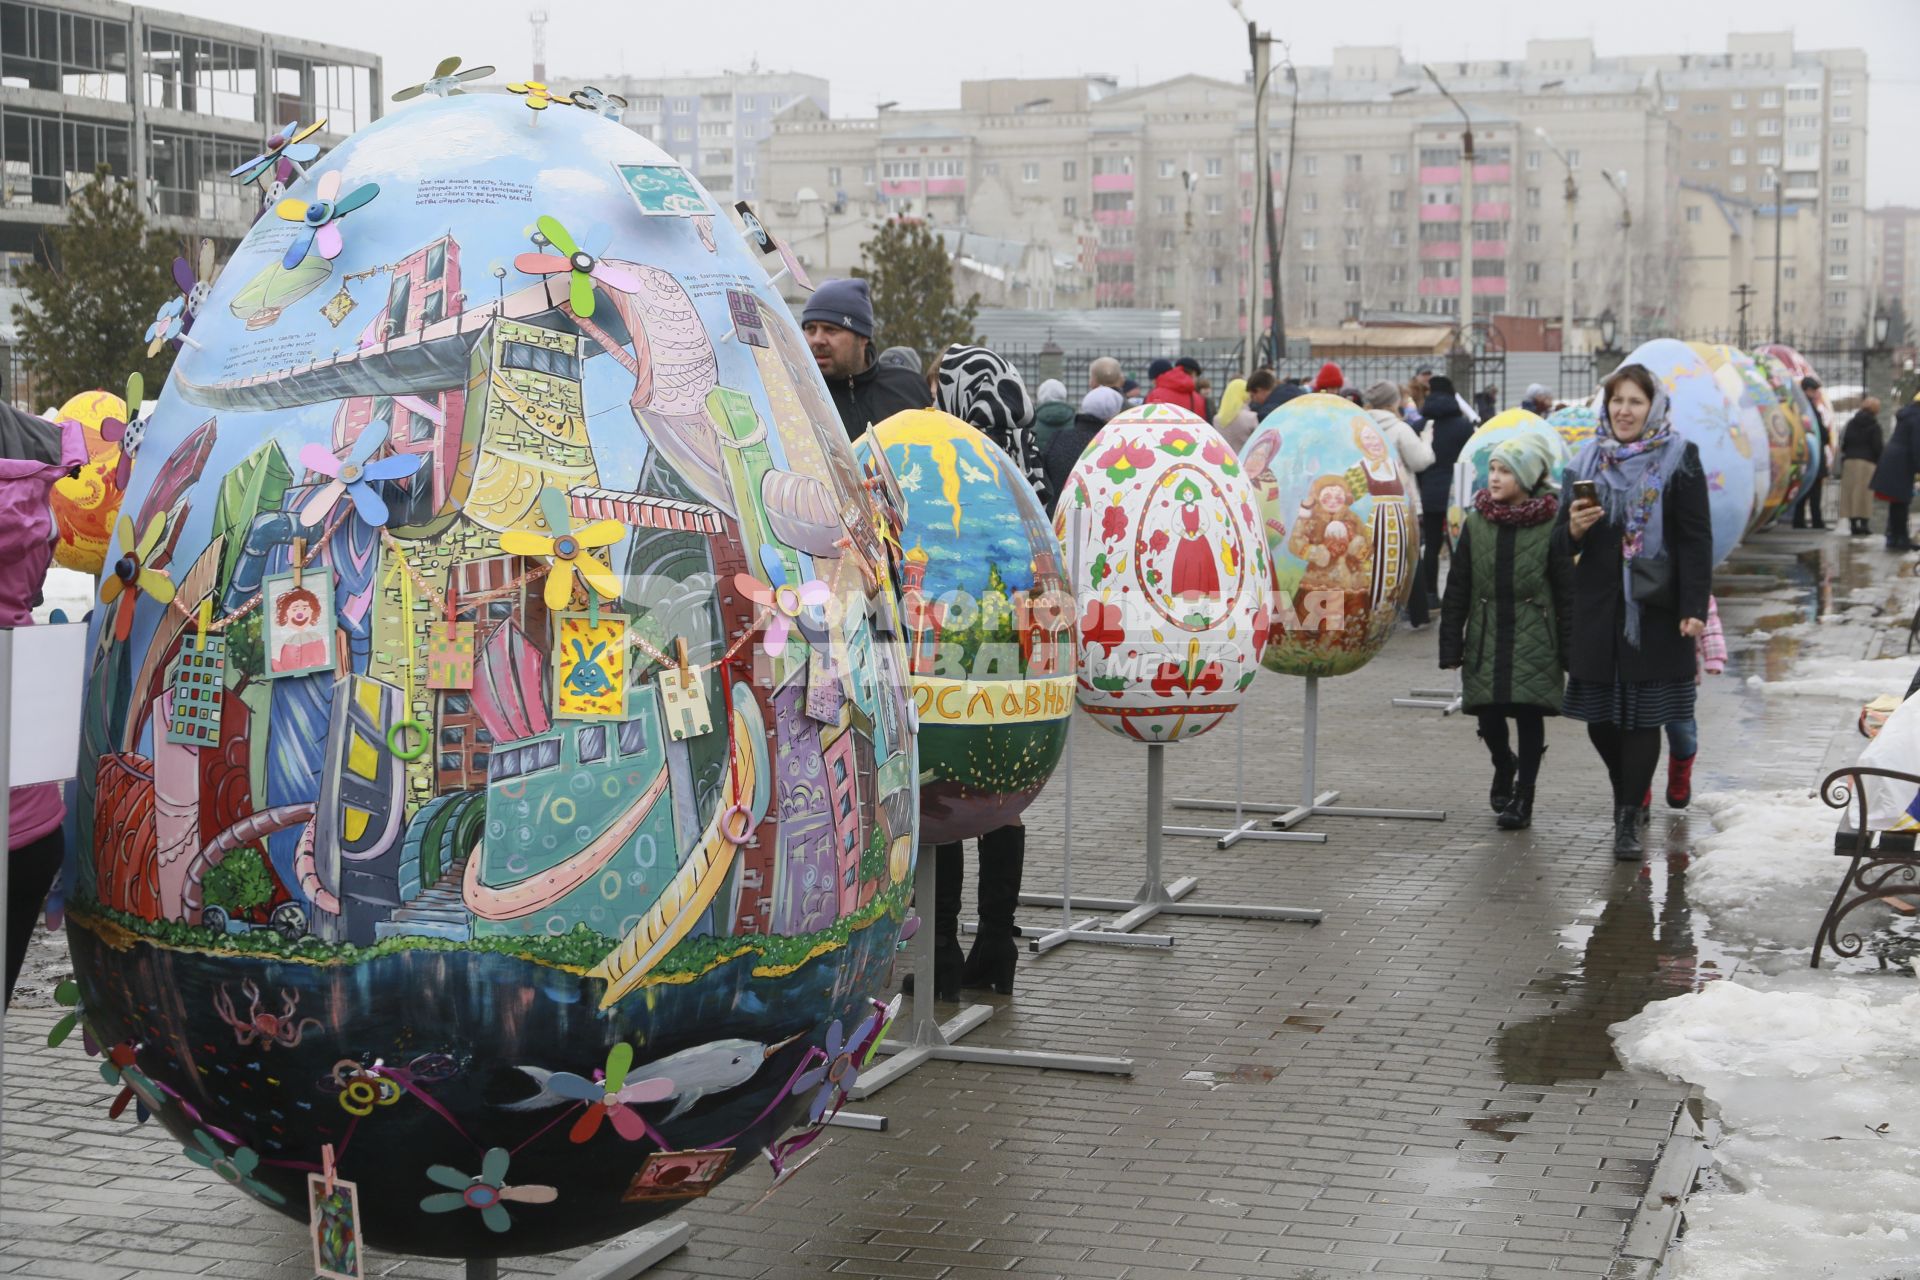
1643	946
1248	1074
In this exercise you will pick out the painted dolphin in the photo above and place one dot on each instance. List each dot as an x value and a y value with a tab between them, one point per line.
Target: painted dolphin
689	1075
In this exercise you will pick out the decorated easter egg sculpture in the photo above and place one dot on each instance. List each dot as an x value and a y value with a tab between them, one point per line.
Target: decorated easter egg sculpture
986	618
1802	433
519	824
1171	575
1704	414
85	505
1337	509
1736	386
1470	469
1575	423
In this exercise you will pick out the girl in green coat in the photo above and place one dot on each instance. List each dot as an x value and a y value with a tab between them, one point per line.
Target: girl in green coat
1506	619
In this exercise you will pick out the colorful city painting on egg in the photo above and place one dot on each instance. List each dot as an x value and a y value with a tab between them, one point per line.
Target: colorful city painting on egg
438	853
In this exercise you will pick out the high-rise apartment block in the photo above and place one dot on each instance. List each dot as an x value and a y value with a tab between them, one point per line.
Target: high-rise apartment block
1144	197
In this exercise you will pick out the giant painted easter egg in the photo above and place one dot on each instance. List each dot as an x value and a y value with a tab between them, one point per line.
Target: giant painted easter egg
1470	469
1338	520
1737	385
1575	423
85	505
548	724
1704	414
1170	573
987	621
1802	431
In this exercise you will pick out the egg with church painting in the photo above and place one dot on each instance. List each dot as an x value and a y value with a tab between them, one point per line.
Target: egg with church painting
1337	517
986	618
1163	550
532	824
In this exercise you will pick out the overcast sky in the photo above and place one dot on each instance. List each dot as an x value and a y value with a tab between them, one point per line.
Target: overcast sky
917	52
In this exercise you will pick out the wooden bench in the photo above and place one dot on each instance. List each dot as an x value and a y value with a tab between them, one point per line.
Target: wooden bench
1882	863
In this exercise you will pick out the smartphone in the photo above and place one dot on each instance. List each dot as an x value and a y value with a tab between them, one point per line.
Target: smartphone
1586	491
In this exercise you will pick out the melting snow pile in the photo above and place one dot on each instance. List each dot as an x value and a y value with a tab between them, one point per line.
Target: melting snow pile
1858	679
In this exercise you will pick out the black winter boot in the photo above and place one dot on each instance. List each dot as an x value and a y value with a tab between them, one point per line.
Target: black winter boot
1627	846
1503	769
1518	815
948	870
1003	860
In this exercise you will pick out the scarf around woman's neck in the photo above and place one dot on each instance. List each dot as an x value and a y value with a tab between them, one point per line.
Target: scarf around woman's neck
1524	515
1632	477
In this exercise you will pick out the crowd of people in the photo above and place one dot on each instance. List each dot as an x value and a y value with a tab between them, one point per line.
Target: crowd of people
1625	545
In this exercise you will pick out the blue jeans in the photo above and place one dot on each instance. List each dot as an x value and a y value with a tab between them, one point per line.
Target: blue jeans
1683	739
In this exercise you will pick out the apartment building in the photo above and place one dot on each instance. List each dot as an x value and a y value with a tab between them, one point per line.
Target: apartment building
712	124
1893	257
1143	197
171	101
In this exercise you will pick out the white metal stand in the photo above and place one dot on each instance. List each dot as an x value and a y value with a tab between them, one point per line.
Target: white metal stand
1088	929
1322	805
928	1039
626	1257
1243	827
1156	897
1445	701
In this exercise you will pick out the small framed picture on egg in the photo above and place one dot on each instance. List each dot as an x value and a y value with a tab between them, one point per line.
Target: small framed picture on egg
297	627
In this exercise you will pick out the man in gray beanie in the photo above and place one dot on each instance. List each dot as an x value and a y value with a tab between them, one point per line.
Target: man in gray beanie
838	322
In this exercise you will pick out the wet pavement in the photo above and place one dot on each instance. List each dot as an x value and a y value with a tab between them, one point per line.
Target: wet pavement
1421	1085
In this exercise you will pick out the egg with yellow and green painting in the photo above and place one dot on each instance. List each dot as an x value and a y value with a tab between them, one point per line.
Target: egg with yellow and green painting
986	618
1158	522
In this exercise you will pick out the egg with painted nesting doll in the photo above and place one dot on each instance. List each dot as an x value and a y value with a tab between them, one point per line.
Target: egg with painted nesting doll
1158	525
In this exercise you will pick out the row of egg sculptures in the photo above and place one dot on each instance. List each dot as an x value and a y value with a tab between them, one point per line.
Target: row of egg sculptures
1783	435
1737	379
1705	412
1803	436
1798	367
476	503
1337	514
986	617
1470	469
1170	573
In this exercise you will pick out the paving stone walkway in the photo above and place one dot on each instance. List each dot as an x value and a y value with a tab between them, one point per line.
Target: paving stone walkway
1420	1086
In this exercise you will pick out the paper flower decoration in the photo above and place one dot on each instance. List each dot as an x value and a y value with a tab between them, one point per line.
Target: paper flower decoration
319	218
67	995
608	105
538	96
131	576
363	1088
134	1085
169	322
790	605
236	1168
834	1079
567	548
609	1096
129	432
195	279
354	475
585	267
289	142
488	1193
445	81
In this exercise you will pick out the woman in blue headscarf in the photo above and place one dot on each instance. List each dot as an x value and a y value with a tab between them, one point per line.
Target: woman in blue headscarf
1644	543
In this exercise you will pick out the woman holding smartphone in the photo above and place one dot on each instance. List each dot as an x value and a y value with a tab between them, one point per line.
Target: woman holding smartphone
1635	516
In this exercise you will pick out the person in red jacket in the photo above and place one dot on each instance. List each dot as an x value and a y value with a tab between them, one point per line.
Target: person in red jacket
1329	380
1174	385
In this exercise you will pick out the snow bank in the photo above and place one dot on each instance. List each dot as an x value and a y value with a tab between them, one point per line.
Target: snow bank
1766	872
1856	678
1821	1165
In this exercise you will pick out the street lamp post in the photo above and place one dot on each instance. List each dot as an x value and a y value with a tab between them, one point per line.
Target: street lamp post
1262	178
1773	176
1466	215
1619	184
1566	267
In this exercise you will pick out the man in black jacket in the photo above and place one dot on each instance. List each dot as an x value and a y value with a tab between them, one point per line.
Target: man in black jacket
1451	431
838	322
1893	477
